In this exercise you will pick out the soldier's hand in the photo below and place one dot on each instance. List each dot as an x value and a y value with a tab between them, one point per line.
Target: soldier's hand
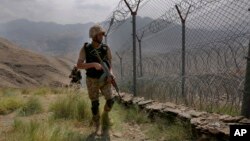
98	66
110	78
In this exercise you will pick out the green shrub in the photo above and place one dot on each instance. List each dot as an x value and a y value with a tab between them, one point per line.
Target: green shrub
71	107
164	129
32	106
41	91
10	104
25	91
37	131
134	114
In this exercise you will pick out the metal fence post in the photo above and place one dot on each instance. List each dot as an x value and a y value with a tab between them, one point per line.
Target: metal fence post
134	13
245	109
140	58
183	75
139	39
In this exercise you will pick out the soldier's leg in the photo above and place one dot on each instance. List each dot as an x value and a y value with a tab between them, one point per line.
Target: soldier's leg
93	92
107	92
95	110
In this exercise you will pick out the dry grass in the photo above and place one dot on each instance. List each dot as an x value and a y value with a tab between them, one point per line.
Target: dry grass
32	106
69	117
71	106
41	131
9	100
164	129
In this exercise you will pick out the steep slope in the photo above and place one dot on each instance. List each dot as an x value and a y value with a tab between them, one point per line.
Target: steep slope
23	68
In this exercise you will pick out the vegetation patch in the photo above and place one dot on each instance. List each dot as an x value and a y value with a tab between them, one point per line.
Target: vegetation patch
10	104
71	115
135	115
71	107
41	91
40	131
163	129
32	106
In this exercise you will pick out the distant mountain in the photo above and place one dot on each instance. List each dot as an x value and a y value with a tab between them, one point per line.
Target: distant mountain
50	38
23	68
56	39
124	32
165	36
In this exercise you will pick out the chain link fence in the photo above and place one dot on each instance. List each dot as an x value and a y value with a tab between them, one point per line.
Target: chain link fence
217	36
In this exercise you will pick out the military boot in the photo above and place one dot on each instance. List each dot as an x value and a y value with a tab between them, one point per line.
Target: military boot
96	123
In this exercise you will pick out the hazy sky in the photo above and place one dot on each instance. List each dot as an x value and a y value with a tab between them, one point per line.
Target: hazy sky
59	11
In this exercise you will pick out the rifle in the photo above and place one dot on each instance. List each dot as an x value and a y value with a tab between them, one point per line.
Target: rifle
107	73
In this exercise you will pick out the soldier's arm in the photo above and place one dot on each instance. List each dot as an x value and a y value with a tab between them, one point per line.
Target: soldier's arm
81	63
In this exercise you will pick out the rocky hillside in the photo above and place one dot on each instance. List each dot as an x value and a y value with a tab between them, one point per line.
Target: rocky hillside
23	68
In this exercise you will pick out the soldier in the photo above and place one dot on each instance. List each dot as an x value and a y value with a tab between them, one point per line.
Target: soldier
88	60
76	76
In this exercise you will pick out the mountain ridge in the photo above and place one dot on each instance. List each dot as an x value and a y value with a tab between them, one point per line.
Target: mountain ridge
46	37
23	68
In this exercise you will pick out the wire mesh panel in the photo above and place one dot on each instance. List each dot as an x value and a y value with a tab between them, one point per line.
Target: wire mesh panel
217	35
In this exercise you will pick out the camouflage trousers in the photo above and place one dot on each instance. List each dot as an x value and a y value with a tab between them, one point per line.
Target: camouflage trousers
95	87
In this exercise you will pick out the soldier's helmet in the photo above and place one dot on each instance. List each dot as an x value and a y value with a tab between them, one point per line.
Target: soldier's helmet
96	29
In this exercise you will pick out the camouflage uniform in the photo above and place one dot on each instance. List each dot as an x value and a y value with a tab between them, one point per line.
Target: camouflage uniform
88	57
94	85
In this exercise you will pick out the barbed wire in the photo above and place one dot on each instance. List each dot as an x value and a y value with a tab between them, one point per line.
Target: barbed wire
121	13
171	16
217	36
